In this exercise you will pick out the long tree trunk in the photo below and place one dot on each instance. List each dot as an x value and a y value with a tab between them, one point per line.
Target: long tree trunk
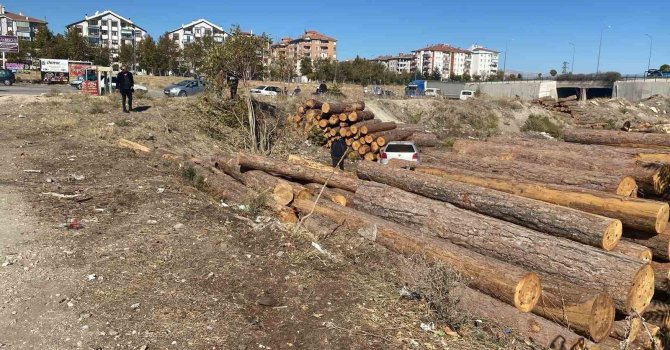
384	137
639	214
630	282
371	129
294	159
424	139
659	244
662	276
591	229
618	138
530	328
298	172
334	196
338	107
312	103
355	128
653	178
633	250
627	329
514	170
357	116
515	286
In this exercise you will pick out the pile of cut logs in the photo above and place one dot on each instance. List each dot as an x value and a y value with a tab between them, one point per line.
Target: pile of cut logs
365	135
565	243
567	105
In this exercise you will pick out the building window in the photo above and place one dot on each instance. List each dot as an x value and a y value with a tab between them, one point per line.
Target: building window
197	30
115	24
115	42
115	33
208	32
175	36
105	32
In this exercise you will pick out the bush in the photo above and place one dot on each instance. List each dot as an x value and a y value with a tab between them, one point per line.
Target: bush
96	108
541	123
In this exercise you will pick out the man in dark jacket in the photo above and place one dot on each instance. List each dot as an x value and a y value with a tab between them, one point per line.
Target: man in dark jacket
125	83
337	151
232	82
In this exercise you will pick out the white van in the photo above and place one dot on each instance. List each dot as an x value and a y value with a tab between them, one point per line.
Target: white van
433	92
466	94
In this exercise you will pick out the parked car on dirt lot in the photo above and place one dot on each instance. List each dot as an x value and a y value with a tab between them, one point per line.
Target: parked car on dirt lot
184	88
401	150
266	90
7	77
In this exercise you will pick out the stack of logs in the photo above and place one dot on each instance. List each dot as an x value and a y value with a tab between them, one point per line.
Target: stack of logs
365	135
551	238
569	106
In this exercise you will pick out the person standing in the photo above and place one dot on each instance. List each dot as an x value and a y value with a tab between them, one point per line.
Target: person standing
232	82
337	151
125	84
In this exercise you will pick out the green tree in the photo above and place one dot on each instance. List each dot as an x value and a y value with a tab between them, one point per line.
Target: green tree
553	72
78	48
477	77
192	55
665	68
167	56
306	66
467	77
240	54
126	55
436	75
147	55
519	76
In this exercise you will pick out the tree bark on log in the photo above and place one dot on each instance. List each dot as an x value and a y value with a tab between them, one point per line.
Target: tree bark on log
424	139
659	244
314	104
638	214
334	196
630	282
529	327
579	226
661	276
653	178
224	187
618	138
515	286
384	137
357	116
339	107
371	129
355	128
626	329
295	159
621	185
298	172
633	250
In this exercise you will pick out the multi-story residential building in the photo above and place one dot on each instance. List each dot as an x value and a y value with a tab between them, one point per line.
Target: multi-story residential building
18	24
200	28
108	29
311	44
484	61
401	63
445	59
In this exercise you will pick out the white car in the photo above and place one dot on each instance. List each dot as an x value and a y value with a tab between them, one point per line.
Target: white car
266	90
401	150
466	94
433	92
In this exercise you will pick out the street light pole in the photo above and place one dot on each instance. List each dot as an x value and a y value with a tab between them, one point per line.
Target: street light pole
600	46
572	65
134	56
651	44
505	61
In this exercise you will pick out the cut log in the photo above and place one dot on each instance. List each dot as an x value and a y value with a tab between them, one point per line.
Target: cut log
343	117
618	138
627	329
621	185
659	244
223	187
369	139
630	282
355	128
312	103
424	139
334	196
591	229
370	156
516	286
295	159
133	146
324	123
653	178
374	147
569	98
633	250
313	114
281	191
371	129
333	120
384	137
363	150
587	313
356	145
298	172
357	116
658	314
639	214
531	328
661	276
349	141
339	107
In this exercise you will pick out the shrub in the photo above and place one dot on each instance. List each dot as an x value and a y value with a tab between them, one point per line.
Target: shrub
542	123
96	108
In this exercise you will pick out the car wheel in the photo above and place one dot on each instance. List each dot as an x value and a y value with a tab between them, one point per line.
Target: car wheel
7	82
182	94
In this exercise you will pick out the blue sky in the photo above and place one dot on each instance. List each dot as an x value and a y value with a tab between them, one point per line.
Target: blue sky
537	32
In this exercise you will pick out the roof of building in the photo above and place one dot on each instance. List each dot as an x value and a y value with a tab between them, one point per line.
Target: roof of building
21	17
314	35
202	20
481	48
104	13
442	48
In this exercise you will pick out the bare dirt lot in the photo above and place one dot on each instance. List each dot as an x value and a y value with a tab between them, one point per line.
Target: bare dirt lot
104	248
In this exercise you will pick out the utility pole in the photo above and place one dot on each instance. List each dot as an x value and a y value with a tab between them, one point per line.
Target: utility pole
134	55
572	66
564	69
505	61
651	44
600	46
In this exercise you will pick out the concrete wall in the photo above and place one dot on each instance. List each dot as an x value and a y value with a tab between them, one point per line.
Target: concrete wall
526	90
640	89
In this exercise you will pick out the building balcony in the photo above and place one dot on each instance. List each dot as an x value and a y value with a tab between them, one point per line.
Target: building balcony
93	26
105	37
104	28
23	29
93	34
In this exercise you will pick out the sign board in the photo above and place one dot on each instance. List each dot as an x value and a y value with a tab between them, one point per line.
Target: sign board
9	44
76	69
17	66
54	71
90	87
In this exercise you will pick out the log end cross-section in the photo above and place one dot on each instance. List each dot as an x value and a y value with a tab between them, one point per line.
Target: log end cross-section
527	292
627	187
612	235
642	291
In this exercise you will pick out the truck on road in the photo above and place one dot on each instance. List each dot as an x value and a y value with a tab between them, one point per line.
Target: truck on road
454	91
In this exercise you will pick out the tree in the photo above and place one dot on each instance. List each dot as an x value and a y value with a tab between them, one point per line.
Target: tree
167	55
436	75
147	55
539	76
553	72
192	55
477	77
78	48
240	54
519	76
467	77
126	55
665	68
306	66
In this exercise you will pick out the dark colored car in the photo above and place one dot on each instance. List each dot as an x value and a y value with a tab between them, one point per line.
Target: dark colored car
7	77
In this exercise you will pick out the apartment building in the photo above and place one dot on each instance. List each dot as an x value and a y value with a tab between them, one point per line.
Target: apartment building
401	63
311	44
108	29
200	28
19	25
445	59
484	61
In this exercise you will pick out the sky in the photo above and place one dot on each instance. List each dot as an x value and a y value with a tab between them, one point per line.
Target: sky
537	33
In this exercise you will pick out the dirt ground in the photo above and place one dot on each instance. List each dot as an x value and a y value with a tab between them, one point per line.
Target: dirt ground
133	256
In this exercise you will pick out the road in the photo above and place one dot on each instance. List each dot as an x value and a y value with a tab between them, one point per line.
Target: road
39	89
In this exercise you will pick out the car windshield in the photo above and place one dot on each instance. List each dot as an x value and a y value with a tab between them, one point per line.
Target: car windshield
399	148
260	87
183	83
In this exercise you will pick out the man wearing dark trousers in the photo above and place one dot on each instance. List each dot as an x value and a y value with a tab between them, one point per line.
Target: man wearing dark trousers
337	151
232	82
125	83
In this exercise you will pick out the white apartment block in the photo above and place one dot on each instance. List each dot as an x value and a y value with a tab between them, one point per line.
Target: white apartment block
402	63
200	28
443	58
108	29
484	61
18	24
